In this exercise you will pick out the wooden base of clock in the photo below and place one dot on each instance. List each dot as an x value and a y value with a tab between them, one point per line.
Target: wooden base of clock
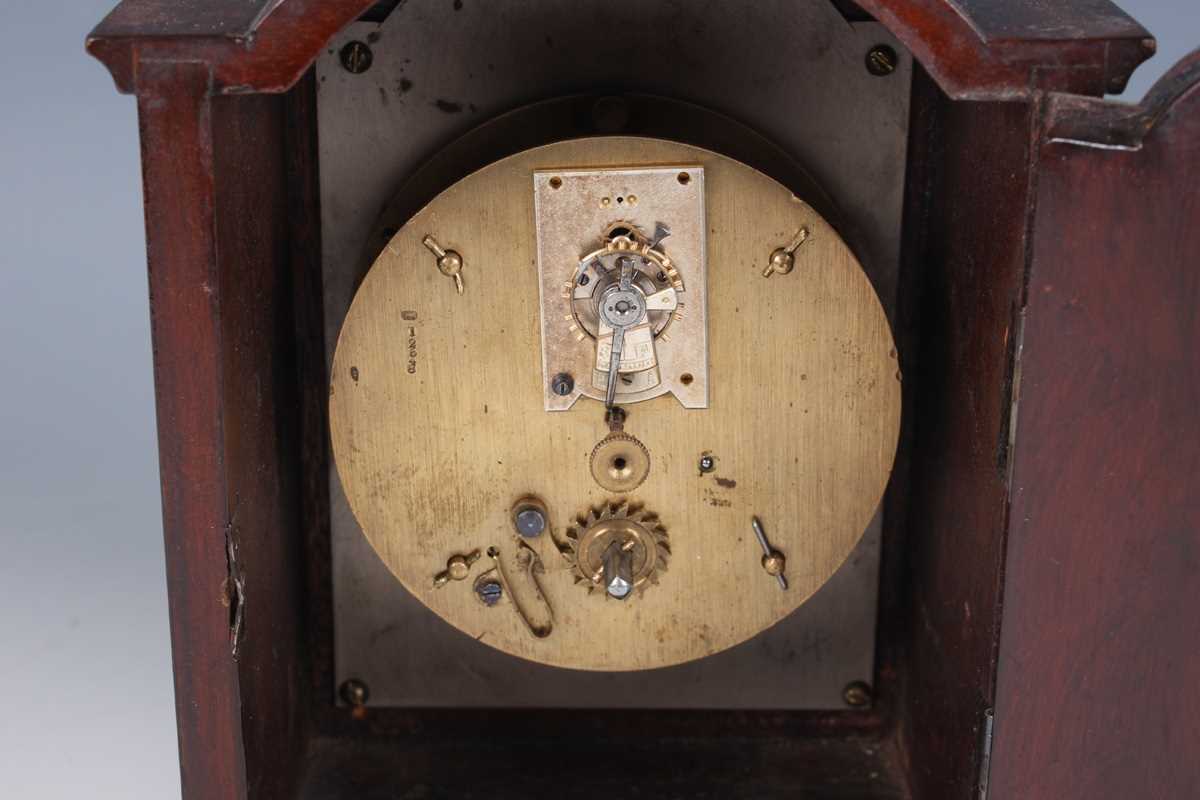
1047	446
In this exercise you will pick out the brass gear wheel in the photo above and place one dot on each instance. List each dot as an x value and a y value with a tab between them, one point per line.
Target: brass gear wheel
629	239
619	462
618	527
658	272
627	231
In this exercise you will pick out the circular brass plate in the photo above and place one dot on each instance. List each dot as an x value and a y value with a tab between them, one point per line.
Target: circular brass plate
438	427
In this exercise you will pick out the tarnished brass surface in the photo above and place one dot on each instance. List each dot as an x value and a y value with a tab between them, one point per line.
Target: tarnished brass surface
438	421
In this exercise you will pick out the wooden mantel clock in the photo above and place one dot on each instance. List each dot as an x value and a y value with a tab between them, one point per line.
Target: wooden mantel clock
654	399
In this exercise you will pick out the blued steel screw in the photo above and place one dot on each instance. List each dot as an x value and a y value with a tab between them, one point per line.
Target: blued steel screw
355	693
881	60
562	384
489	592
857	694
357	57
530	522
707	463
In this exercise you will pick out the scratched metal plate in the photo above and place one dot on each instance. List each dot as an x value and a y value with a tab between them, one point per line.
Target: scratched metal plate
792	70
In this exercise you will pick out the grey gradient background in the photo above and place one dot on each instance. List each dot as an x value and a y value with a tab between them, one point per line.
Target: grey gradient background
86	706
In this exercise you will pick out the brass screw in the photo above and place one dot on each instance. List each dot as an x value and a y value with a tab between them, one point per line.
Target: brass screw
857	694
355	693
356	57
881	60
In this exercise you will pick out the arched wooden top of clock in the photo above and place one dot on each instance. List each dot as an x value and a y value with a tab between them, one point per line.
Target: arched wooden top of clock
973	49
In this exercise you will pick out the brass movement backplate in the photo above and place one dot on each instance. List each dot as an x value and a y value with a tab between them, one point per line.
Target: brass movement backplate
439	420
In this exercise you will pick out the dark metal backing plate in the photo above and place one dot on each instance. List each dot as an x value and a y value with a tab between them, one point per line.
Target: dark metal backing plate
794	71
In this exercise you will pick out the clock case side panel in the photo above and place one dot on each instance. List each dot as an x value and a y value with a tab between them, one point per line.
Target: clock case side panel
1098	688
225	385
1057	390
965	223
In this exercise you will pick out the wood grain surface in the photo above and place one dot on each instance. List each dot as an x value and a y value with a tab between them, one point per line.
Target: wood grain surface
803	421
1098	689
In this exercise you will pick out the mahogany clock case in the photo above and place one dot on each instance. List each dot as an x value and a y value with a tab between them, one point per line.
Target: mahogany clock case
1006	301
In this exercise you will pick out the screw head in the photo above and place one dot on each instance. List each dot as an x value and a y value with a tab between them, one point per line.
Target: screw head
584	279
530	522
356	57
882	60
489	592
618	588
562	384
774	564
354	692
707	463
857	694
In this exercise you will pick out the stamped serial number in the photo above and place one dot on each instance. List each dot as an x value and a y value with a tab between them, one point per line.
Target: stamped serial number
412	341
